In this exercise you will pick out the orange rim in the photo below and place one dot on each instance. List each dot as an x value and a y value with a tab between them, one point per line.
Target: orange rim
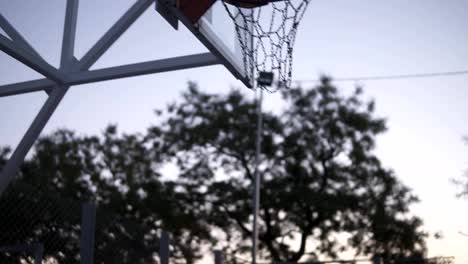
247	3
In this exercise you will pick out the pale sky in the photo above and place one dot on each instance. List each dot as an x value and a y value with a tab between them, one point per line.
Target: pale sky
343	38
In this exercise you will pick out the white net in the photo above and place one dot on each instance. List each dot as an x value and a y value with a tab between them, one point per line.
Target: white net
267	35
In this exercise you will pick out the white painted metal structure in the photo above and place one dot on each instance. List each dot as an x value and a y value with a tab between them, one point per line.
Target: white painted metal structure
73	71
213	33
216	31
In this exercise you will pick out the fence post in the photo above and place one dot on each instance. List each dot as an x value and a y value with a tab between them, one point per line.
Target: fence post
377	260
218	257
38	252
36	249
88	223
164	248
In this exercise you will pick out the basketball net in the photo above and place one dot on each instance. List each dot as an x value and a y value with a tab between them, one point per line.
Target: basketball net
267	35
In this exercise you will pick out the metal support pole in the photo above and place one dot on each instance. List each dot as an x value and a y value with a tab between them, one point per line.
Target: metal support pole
88	223
33	132
164	248
257	176
218	257
258	149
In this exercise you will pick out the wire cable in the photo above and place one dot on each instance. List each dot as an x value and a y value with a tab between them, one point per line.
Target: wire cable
390	77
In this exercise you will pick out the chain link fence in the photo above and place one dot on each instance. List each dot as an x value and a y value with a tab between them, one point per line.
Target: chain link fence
37	226
36	223
120	240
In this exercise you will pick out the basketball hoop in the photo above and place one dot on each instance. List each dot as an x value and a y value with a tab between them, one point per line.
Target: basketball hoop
248	3
266	31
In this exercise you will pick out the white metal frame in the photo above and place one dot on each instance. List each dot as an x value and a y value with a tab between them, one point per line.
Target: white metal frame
72	71
206	34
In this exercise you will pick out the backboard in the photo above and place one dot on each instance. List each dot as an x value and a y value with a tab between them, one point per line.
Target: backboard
209	21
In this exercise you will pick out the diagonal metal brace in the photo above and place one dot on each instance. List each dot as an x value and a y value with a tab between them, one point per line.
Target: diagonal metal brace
17	37
31	60
11	168
117	72
109	38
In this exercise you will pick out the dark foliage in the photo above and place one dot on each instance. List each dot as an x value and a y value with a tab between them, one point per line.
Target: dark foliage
322	185
120	174
462	182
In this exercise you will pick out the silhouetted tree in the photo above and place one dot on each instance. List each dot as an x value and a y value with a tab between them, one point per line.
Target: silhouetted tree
320	177
462	182
119	173
323	188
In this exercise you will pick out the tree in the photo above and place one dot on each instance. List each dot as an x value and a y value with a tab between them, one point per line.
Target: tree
120	174
320	176
463	181
321	181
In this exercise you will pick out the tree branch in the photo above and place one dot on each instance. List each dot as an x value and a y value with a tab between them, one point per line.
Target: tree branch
307	230
237	220
238	157
268	237
296	256
245	164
